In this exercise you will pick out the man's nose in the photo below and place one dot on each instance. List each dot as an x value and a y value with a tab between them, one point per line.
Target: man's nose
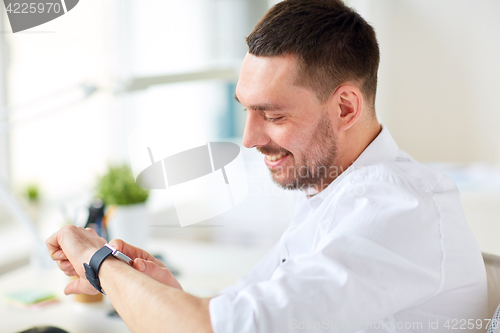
255	132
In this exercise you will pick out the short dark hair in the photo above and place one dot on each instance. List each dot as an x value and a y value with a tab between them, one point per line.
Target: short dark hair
332	42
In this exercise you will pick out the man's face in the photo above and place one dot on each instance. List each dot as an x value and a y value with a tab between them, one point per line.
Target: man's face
286	123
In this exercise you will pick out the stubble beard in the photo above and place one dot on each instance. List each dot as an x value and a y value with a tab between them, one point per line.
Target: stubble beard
315	166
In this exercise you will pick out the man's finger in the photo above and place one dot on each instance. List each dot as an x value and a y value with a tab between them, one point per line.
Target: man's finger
71	273
159	273
133	252
151	269
91	230
64	265
58	255
80	286
73	287
54	248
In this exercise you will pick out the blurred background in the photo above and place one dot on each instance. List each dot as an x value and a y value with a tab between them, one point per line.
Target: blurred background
73	90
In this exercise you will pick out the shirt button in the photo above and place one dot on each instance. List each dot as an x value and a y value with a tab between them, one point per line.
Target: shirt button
283	260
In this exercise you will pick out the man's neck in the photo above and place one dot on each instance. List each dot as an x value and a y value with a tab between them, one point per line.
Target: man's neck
356	142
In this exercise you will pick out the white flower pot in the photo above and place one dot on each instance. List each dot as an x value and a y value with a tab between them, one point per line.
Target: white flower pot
130	223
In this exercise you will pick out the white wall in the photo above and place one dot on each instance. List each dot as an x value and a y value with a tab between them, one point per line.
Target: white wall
439	78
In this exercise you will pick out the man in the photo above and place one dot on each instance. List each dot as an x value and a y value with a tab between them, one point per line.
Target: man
380	242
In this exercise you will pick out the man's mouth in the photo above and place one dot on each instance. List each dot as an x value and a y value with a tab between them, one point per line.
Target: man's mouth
274	158
275	161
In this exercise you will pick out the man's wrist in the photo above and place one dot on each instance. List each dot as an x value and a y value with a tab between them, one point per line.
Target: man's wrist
89	253
93	268
110	269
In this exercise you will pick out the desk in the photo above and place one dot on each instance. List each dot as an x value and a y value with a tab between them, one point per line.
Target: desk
205	269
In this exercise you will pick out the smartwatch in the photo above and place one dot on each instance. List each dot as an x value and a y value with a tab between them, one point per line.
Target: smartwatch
92	268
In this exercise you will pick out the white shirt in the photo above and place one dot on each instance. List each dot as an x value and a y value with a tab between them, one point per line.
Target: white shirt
385	247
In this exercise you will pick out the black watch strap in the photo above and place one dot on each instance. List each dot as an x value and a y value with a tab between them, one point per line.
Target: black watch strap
92	268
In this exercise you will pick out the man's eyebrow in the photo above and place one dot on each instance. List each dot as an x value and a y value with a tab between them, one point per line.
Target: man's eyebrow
262	107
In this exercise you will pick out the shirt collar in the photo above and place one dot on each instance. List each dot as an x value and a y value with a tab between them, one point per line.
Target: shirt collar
382	148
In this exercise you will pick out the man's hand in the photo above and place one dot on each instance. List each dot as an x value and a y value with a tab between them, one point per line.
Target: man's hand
144	304
146	263
70	247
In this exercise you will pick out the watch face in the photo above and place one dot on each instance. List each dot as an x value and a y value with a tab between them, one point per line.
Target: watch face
120	255
123	257
113	250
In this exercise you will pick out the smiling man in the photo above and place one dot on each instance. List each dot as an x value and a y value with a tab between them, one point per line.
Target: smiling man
378	242
307	145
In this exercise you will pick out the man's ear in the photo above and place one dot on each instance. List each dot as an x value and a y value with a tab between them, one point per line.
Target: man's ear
347	106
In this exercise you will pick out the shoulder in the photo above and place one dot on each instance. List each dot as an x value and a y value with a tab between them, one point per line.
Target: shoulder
404	174
389	206
390	195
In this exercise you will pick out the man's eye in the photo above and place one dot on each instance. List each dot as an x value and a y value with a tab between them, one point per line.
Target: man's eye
272	120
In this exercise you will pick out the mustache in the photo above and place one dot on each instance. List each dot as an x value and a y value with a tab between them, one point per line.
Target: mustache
273	151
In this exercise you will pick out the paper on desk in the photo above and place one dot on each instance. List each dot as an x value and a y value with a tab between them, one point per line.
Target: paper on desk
31	298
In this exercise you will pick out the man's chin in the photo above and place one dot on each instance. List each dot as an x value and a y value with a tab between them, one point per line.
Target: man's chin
285	180
285	183
291	183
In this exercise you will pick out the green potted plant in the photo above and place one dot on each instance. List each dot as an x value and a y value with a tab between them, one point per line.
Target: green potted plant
31	193
130	221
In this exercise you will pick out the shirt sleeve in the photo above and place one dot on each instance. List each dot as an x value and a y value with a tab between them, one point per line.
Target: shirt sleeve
379	252
261	272
265	267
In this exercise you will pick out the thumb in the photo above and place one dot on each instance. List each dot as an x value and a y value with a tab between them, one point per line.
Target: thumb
80	286
147	267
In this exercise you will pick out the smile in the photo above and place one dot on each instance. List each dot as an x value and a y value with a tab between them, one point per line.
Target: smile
275	161
274	158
